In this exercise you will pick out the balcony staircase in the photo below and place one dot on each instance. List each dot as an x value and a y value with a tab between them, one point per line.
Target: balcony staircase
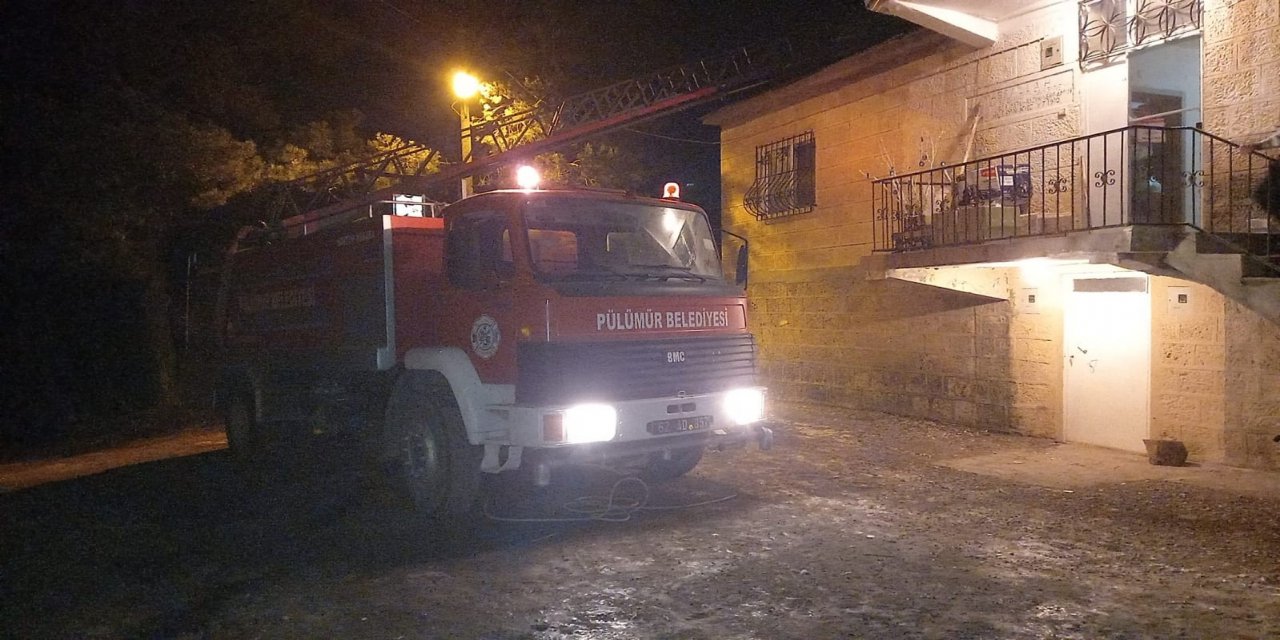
1239	266
1171	201
1239	256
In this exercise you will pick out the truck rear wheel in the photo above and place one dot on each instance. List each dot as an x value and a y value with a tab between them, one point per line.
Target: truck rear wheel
244	434
434	464
682	461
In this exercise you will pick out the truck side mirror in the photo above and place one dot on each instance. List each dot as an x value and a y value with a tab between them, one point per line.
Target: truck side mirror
740	271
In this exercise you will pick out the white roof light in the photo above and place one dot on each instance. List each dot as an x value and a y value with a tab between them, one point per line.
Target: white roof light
527	177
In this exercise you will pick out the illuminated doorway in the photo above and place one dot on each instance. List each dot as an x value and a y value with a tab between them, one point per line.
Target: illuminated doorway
1164	93
1107	360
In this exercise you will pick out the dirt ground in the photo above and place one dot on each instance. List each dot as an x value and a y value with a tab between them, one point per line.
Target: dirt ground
856	525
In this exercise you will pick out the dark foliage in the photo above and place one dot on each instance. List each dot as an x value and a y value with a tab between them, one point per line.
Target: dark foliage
127	125
1267	193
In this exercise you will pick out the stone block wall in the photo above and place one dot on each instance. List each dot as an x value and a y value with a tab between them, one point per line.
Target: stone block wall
827	334
1035	356
1188	364
834	337
1241	79
1252	388
1215	376
1241	67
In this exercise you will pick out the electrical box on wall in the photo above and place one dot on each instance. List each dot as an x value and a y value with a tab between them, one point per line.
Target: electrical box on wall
1028	301
1050	52
1179	299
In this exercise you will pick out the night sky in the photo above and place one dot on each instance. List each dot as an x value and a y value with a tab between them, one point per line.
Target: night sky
580	46
390	59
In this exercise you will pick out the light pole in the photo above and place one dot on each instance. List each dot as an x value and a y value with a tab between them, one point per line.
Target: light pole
465	87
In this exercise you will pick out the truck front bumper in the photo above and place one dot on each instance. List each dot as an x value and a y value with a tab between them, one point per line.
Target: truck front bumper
619	454
716	439
642	428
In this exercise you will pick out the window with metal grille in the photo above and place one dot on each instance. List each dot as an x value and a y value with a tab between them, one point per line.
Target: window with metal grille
1109	27
785	181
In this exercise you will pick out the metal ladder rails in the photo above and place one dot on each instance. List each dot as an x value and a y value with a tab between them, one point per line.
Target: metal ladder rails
311	198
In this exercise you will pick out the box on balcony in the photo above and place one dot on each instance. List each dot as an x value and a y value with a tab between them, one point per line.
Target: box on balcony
976	223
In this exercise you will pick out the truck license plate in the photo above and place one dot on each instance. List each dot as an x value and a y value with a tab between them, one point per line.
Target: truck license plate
679	425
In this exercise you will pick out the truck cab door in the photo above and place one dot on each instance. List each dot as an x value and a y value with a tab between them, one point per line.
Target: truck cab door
478	305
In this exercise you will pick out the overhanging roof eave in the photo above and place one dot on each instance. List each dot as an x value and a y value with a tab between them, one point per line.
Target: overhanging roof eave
881	58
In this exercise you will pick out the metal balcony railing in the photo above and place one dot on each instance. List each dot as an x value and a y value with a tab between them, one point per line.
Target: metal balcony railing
1136	175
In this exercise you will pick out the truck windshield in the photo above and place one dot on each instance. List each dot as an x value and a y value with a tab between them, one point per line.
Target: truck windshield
577	239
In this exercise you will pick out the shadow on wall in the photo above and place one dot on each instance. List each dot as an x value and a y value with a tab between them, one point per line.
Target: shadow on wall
891	299
887	345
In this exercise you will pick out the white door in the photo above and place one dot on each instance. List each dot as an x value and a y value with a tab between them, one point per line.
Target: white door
1107	360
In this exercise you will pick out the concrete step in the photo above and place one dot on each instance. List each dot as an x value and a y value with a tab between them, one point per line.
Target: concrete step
1224	272
1260	267
1254	243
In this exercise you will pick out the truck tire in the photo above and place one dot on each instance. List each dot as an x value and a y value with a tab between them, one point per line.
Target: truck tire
434	465
244	434
682	461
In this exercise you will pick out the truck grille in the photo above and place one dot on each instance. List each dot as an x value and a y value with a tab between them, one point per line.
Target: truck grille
552	373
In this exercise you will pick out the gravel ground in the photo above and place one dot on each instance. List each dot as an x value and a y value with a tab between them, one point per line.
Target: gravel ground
856	525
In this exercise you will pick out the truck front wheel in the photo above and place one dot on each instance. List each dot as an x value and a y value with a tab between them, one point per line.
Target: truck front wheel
434	464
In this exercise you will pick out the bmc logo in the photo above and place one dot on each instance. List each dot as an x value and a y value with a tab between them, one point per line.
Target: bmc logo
674	357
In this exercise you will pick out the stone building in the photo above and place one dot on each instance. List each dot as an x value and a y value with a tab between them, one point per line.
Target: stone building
1033	216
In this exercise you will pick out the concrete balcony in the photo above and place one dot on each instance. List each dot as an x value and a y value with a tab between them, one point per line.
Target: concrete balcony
1168	201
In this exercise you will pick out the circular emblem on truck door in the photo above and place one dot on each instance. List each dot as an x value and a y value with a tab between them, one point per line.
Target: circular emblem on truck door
485	336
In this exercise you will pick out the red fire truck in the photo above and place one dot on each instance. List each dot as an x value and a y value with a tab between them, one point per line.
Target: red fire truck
512	329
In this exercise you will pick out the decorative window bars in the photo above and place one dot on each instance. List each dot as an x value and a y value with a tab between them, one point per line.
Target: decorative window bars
1109	27
785	181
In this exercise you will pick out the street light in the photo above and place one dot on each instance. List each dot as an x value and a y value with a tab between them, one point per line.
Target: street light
465	87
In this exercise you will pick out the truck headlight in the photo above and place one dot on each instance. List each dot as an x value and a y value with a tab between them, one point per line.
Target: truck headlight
744	406
590	423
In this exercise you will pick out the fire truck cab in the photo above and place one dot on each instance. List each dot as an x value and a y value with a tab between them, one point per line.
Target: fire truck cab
519	329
